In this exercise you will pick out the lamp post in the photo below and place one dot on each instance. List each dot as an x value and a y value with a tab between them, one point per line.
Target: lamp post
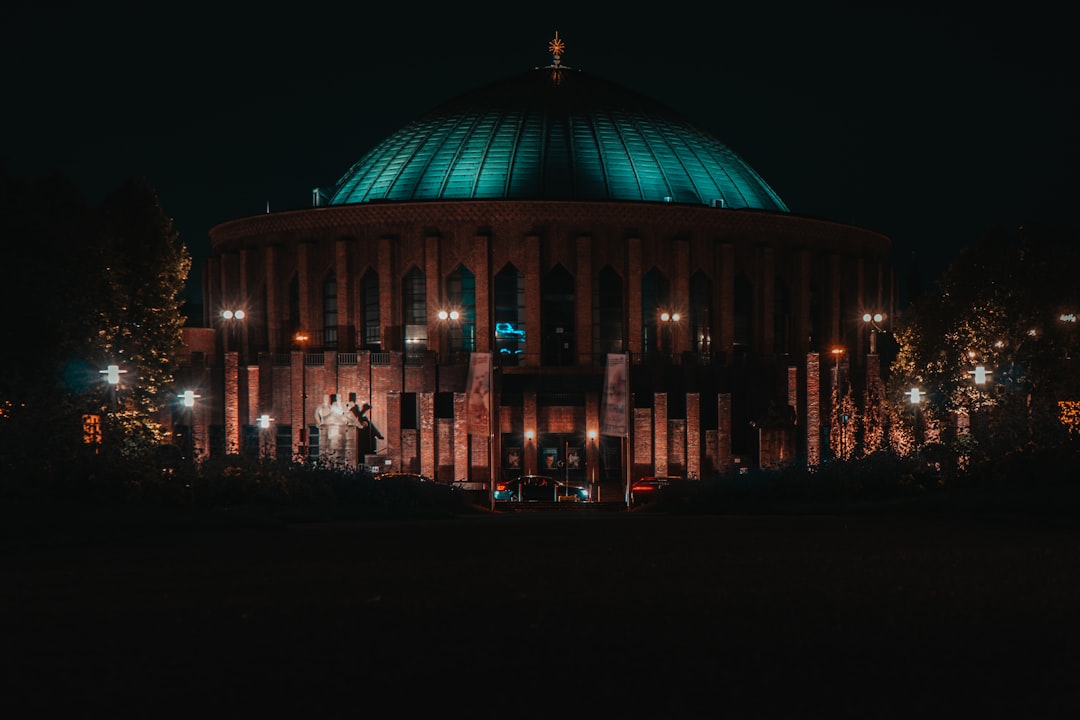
445	318
112	375
264	421
915	396
301	340
591	458
231	317
670	322
529	456
980	374
187	400
841	420
873	321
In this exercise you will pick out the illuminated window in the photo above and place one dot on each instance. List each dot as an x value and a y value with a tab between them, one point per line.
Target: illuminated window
461	294
414	306
369	293
509	314
655	295
700	312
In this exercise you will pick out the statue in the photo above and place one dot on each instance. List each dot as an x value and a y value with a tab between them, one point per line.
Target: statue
367	432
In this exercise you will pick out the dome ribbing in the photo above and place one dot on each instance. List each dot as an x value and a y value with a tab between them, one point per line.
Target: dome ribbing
554	134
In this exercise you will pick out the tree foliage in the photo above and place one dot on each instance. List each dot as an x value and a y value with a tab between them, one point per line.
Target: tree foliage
86	287
1000	306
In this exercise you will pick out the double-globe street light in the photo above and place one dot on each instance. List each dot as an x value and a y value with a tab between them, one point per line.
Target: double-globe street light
231	317
874	320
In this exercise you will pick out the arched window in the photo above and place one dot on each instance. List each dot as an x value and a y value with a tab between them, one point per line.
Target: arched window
330	313
655	296
700	313
369	311
744	310
461	295
414	309
557	317
782	318
294	306
608	312
510	314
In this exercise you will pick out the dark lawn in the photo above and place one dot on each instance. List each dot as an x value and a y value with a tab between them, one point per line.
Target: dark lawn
230	613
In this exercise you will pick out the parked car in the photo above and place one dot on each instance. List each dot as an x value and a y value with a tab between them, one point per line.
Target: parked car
648	488
540	488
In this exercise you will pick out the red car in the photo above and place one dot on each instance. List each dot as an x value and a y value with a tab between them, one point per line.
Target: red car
648	488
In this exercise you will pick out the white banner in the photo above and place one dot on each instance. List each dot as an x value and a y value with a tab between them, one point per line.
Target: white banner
613	412
478	395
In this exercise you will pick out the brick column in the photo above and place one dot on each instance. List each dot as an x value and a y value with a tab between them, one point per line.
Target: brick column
232	401
461	439
660	434
813	409
426	421
693	435
723	434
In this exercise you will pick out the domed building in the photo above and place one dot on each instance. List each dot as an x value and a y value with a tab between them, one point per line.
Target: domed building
535	239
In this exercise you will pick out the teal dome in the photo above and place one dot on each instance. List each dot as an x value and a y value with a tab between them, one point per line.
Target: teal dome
554	134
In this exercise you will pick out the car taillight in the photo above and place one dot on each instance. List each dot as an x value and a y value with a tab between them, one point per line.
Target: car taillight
500	487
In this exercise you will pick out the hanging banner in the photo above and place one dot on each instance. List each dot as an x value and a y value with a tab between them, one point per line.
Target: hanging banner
478	394
613	414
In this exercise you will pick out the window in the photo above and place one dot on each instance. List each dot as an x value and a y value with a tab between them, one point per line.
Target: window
461	294
414	307
330	313
557	317
744	309
782	318
283	449
294	305
655	296
409	412
509	314
249	440
700	312
608	312
369	312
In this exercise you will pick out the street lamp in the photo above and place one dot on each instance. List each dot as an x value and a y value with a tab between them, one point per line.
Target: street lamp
591	458
264	421
187	399
836	353
301	339
875	328
230	316
529	455
915	396
980	374
667	318
112	375
445	318
841	418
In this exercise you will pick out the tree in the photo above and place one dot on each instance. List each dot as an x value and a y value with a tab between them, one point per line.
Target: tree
999	306
92	287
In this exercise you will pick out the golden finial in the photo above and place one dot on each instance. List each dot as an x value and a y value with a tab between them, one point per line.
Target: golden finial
557	47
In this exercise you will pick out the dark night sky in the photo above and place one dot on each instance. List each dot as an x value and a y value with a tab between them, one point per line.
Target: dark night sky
927	127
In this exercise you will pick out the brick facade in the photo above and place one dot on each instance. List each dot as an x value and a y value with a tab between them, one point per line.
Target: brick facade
760	269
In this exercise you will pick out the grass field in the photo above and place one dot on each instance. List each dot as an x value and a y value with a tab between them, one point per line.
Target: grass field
866	614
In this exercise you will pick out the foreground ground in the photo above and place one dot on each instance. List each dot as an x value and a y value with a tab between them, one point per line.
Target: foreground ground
543	615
